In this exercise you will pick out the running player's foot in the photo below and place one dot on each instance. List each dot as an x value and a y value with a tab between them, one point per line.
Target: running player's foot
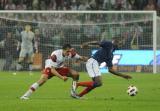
24	98
75	96
73	89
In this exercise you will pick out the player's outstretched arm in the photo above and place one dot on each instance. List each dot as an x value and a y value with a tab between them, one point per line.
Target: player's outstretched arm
91	43
75	55
111	70
58	75
83	58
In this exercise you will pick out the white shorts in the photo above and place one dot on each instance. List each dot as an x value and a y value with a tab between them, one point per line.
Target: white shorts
92	67
24	52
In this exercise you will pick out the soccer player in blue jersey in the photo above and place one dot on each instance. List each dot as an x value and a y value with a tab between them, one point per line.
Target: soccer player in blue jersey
103	54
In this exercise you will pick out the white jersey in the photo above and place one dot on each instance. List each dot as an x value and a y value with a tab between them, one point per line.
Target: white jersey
27	38
57	59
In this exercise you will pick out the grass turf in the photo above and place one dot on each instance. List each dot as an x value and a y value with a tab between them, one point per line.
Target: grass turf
55	94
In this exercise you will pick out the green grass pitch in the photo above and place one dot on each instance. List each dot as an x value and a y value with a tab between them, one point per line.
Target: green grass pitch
55	94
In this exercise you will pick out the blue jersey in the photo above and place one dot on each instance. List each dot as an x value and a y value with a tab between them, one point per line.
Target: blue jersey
105	53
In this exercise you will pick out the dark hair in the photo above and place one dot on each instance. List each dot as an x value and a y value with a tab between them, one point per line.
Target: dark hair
65	46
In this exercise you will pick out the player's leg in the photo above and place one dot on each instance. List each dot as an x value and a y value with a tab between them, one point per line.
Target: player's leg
22	56
97	82
30	60
35	86
92	67
65	71
75	76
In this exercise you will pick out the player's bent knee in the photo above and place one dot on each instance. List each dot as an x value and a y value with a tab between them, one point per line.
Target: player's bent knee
77	75
97	84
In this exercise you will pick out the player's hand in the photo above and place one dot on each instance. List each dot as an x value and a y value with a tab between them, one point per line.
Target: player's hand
65	78
127	77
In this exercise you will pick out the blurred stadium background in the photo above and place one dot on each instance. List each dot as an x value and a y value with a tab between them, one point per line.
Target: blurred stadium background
133	31
80	4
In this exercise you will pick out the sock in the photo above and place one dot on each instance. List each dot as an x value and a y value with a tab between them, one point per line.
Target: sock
31	90
74	85
86	84
34	86
85	91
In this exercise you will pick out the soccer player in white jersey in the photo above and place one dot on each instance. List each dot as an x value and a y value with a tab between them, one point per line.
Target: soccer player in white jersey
27	37
54	66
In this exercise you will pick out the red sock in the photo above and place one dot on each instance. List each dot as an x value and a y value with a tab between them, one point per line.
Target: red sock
85	91
86	84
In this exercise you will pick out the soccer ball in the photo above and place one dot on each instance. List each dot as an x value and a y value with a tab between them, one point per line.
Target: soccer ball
132	90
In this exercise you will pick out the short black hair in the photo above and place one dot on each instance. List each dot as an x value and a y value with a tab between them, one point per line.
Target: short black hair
65	46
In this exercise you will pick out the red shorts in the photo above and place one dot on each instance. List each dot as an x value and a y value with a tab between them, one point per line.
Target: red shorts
64	71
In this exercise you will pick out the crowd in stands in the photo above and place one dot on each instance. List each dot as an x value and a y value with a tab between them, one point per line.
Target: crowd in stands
52	29
46	23
79	27
80	5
